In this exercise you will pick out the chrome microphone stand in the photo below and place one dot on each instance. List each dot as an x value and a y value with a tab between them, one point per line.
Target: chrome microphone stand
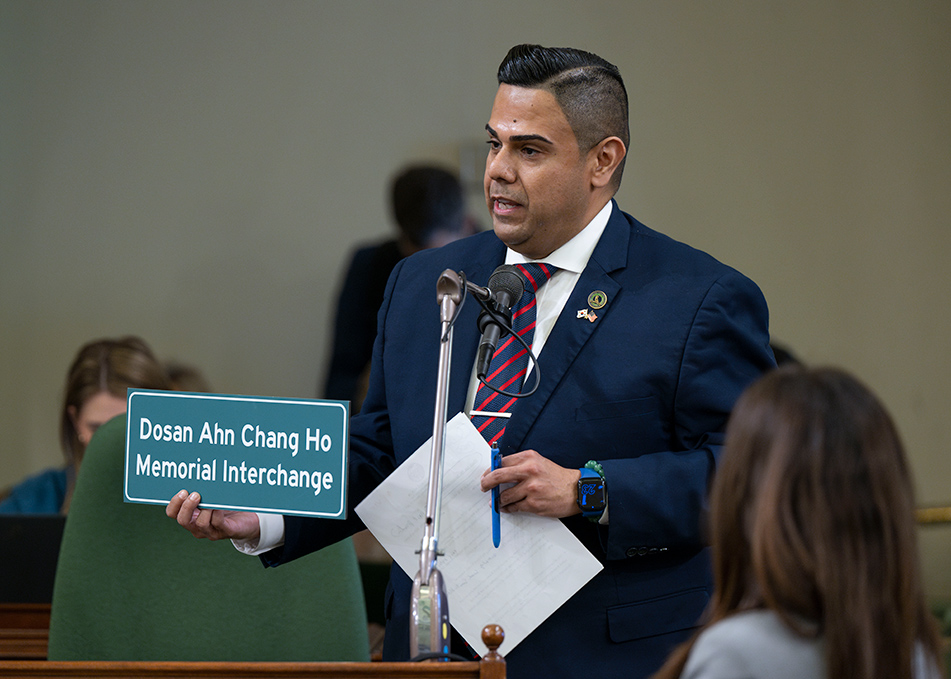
429	608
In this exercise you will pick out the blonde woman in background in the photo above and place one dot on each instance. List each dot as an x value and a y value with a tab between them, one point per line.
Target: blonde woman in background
95	393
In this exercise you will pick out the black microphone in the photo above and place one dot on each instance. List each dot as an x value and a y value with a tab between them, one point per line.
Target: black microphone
506	286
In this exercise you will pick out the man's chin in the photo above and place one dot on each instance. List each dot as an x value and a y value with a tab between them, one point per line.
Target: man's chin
518	242
512	234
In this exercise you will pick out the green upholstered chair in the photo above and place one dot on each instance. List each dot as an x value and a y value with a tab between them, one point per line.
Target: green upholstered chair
131	584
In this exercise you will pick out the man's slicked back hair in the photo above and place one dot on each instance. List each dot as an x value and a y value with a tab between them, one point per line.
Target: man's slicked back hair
588	89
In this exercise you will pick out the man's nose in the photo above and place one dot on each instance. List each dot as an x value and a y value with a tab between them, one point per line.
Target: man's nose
499	166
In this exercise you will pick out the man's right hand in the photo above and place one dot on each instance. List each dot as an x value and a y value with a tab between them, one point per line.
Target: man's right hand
213	524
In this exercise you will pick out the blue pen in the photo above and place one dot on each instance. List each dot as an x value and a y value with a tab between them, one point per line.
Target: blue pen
496	517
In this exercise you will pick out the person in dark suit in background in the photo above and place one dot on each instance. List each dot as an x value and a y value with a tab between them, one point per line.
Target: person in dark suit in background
429	211
643	346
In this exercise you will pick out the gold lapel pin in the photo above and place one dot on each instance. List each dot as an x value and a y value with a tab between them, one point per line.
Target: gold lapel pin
597	299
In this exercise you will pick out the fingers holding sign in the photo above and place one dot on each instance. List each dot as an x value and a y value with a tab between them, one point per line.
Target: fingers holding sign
211	524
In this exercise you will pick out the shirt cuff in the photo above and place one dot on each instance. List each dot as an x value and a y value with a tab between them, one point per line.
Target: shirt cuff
272	536
604	515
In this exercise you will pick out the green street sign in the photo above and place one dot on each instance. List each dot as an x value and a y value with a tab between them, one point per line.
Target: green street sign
251	453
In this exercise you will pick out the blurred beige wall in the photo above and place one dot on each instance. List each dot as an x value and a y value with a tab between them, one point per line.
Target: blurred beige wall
196	173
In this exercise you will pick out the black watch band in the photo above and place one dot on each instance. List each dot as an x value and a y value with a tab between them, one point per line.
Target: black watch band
591	493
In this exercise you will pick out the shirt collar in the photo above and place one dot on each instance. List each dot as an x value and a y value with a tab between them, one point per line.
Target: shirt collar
573	256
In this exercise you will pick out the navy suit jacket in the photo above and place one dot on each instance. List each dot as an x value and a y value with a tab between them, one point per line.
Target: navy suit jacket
645	389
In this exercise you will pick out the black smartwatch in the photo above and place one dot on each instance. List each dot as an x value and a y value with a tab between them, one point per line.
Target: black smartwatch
591	493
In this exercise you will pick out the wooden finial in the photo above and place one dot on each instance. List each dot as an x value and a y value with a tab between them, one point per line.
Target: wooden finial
492	637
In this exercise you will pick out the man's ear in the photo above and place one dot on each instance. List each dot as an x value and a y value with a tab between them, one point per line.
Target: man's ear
606	156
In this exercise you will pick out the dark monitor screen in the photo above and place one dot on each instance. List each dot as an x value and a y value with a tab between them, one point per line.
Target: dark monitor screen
29	548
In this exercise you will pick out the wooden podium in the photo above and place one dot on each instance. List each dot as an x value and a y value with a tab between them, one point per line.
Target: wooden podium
24	634
24	631
41	669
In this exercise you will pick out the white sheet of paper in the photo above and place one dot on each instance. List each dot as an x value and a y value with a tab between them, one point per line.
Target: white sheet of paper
537	567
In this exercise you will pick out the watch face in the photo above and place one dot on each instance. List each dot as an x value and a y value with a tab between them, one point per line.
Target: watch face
591	494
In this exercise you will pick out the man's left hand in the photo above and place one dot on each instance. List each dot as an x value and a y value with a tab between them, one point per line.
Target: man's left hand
540	486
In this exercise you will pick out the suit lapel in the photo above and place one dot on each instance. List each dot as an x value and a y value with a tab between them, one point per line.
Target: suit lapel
571	332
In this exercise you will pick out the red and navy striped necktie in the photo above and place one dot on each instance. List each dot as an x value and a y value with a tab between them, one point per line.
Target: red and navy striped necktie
510	360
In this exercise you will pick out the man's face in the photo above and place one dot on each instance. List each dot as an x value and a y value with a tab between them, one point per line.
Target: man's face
537	183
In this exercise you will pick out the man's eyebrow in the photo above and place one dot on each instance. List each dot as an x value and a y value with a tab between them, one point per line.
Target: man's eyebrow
520	137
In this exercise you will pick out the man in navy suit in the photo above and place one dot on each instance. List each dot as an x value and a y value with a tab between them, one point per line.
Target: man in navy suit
643	345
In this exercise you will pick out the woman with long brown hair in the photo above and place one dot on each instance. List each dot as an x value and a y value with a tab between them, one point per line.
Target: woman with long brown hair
815	558
95	393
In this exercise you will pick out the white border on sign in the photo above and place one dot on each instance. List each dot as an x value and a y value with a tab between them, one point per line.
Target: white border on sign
341	511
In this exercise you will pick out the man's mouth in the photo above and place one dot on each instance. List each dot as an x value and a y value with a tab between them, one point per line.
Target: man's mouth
503	206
